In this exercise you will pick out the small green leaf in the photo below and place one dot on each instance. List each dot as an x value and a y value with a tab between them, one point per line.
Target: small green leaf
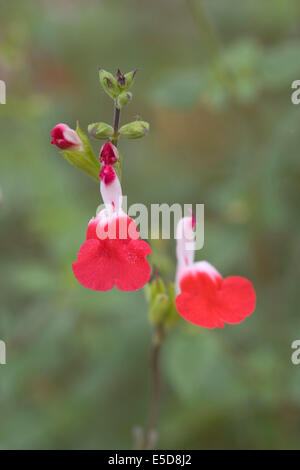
84	159
129	79
173	317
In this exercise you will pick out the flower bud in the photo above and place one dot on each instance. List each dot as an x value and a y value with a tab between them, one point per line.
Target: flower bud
135	129
65	138
76	149
124	98
109	154
109	83
100	130
159	308
172	318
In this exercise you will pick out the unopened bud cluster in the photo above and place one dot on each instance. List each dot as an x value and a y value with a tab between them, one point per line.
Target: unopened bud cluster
75	145
117	87
161	299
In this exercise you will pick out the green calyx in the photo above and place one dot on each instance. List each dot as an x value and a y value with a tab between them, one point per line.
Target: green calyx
123	99
109	83
115	85
161	299
100	130
135	129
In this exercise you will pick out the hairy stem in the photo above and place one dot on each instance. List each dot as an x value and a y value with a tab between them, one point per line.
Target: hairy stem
157	341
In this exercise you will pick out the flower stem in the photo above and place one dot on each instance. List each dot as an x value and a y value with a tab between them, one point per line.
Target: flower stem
116	125
150	431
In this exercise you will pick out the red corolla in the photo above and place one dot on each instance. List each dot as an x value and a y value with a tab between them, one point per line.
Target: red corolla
206	298
113	253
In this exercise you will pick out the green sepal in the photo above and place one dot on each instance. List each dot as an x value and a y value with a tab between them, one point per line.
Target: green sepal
124	98
135	129
84	159
129	79
161	300
109	83
159	308
172	317
100	130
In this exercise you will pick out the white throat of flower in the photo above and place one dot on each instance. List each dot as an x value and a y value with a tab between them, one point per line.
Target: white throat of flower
111	193
185	248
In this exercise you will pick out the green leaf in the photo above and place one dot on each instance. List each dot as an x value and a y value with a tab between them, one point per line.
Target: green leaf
281	66
196	366
109	83
179	89
84	159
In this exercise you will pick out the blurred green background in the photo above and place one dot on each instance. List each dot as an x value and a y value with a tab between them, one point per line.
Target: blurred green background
214	82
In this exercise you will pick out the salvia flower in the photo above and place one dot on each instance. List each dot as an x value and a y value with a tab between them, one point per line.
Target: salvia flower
65	138
206	298
113	253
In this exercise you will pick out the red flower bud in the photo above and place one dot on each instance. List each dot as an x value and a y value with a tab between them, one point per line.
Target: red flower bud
109	154
65	138
107	174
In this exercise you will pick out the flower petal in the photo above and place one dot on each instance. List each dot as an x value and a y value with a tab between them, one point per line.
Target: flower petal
133	270
196	301
209	302
93	268
120	261
235	300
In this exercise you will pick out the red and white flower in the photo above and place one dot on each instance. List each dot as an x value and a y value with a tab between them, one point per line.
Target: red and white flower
113	253
65	138
109	154
205	298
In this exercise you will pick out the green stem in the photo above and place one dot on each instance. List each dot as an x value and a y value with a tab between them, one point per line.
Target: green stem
151	432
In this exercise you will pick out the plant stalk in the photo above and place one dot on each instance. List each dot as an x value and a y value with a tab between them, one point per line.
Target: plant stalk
151	428
116	125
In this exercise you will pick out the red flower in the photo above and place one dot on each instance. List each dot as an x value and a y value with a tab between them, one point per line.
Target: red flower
121	261
208	300
113	253
65	138
205	298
